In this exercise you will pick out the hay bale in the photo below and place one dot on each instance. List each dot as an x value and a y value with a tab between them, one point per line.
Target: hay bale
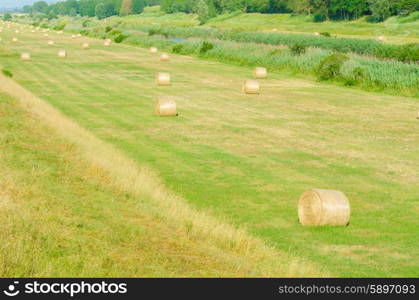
25	56
163	79
85	45
166	106
153	50
164	57
78	35
107	42
323	207
17	31
50	43
317	33
14	40
73	36
45	34
381	38
251	87
260	73
62	53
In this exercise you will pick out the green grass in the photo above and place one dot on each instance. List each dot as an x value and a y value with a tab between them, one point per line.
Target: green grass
247	159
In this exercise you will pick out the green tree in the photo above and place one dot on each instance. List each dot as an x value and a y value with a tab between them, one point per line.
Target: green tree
40	6
100	11
203	11
126	8
380	10
138	6
27	9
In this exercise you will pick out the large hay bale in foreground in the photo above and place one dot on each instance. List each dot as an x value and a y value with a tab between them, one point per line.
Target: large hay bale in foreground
163	79
251	87
260	73
153	50
166	106
85	46
164	57
62	53
25	56
318	207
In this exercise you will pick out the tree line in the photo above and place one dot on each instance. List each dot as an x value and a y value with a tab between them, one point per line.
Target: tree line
321	10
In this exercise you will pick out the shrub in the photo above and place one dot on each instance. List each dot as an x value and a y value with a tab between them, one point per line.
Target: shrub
115	32
120	38
108	28
275	52
177	48
206	46
60	26
330	66
326	34
298	49
85	23
319	18
7	73
409	53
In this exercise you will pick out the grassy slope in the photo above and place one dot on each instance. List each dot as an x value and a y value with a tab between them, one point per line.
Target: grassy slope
60	217
248	158
394	29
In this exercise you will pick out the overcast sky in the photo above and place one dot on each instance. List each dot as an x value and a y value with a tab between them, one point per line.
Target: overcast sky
19	3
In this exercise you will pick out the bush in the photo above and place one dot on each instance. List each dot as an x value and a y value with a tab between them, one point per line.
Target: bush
60	26
108	28
7	73
206	46
115	32
298	49
319	18
326	34
120	38
177	48
157	31
330	66
409	53
85	23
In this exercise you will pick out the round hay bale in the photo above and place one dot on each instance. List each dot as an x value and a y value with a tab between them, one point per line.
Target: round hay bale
251	87
163	79
45	34
14	40
381	38
73	36
51	43
17	31
85	46
78	35
153	50
60	32
166	106
62	53
260	73
318	207
164	57
107	42
25	56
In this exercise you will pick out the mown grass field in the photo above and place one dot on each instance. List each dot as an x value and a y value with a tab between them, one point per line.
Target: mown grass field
246	159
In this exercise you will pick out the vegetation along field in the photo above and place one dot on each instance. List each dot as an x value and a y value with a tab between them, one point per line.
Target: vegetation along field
93	182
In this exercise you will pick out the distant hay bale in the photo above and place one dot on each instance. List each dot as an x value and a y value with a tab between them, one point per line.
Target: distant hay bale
381	38
33	31
15	39
274	30
153	50
73	36
323	207
163	79
17	31
78	35
166	106
60	32
260	73
107	42
251	87
51	43
45	34
62	53
317	33
164	57
25	56
85	45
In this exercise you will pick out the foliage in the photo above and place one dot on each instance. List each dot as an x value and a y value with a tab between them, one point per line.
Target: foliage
206	46
120	38
331	65
7	73
298	49
7	17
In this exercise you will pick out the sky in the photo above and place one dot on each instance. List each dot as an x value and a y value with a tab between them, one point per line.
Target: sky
19	3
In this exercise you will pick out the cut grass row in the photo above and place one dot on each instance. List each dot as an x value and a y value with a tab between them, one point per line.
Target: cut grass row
248	159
